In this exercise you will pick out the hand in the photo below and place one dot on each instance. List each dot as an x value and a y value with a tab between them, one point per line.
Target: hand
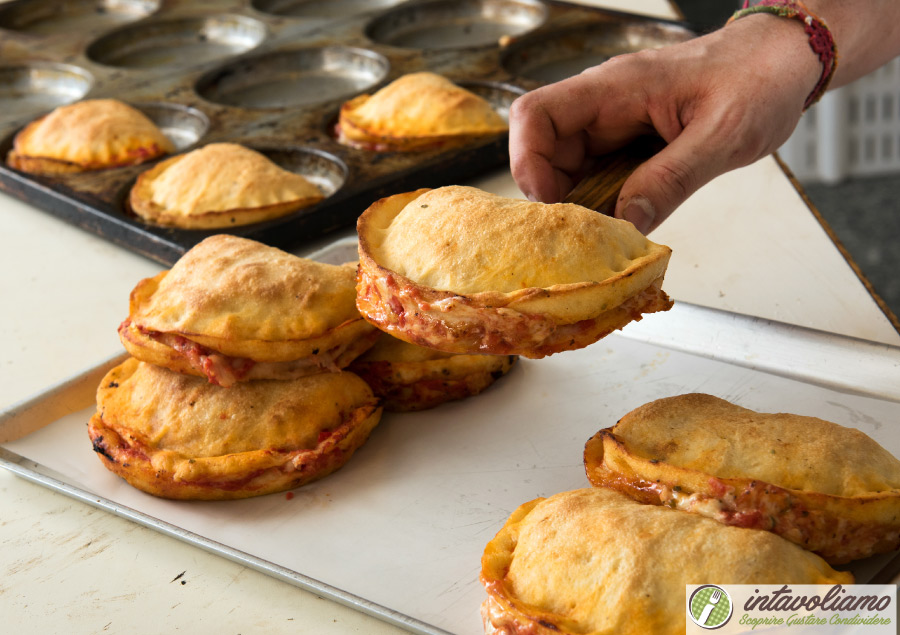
720	101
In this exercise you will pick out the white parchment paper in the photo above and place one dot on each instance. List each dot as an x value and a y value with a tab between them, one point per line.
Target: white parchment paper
404	523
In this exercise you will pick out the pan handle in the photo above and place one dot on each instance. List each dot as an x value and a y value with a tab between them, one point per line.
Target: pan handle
600	189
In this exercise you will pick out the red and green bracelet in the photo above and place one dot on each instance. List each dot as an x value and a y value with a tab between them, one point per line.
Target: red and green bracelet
820	39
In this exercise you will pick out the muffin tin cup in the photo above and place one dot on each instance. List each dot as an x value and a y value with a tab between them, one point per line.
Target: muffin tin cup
53	18
296	78
564	52
326	171
272	75
456	24
184	126
500	95
27	89
321	9
178	43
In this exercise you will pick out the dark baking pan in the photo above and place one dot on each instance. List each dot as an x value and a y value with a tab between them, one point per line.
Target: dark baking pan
272	74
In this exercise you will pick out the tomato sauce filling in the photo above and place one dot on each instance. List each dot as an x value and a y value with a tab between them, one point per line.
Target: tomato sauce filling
454	323
761	505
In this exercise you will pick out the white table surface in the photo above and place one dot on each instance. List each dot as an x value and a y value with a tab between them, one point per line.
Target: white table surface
747	242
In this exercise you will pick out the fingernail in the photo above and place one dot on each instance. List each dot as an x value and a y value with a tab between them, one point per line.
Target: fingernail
531	197
640	213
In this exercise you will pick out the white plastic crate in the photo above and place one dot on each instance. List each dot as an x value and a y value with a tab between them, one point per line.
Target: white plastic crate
853	131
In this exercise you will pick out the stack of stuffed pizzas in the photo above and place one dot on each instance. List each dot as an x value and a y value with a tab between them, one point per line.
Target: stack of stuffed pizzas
235	387
237	383
255	371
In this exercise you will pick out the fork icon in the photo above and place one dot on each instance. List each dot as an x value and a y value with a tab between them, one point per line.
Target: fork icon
713	600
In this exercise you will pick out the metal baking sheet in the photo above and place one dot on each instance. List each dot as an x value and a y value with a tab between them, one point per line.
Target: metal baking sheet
271	74
398	532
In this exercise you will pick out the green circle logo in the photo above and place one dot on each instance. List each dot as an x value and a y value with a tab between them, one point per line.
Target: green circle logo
710	606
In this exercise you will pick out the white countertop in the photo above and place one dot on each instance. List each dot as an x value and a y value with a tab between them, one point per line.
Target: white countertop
746	242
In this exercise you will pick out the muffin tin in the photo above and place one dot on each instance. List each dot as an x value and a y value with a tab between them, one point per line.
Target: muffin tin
272	74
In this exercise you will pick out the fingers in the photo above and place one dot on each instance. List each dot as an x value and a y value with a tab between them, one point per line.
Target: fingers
532	141
722	135
716	111
554	128
551	176
547	140
662	183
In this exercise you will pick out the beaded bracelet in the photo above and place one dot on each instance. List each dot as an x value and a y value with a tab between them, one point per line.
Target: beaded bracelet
820	39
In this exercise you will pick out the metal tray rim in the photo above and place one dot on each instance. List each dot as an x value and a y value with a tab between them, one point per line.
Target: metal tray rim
666	337
17	464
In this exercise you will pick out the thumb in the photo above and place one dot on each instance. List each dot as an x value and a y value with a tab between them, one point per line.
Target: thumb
663	182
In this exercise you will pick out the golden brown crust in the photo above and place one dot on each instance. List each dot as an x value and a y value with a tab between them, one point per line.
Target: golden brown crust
219	185
830	489
595	561
353	339
415	112
41	165
241	299
408	377
94	134
464	271
180	437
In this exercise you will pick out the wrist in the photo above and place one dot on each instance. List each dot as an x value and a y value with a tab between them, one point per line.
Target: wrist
780	49
819	38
